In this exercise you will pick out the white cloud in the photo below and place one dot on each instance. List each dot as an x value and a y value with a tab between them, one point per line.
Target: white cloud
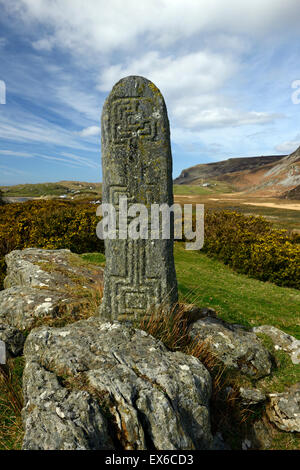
223	117
38	131
191	85
99	26
90	131
72	160
192	73
288	146
79	100
12	153
209	59
8	171
44	44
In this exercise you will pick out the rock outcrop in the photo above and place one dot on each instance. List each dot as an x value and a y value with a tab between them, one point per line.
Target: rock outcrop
95	385
233	346
284	409
92	384
251	396
46	285
49	269
282	341
13	339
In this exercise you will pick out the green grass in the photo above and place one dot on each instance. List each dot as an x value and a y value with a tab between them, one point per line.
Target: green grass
11	402
94	258
34	190
284	375
197	188
236	298
50	189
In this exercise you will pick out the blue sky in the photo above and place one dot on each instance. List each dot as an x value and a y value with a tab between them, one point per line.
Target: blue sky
225	68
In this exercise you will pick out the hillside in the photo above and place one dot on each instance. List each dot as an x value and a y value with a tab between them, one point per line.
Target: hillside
275	175
292	193
195	174
60	189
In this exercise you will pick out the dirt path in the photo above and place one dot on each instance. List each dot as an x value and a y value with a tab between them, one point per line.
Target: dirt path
293	207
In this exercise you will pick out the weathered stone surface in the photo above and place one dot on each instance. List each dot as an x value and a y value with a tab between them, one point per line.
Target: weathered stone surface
284	409
234	346
45	284
282	341
137	163
36	267
57	419
155	398
20	307
251	396
13	339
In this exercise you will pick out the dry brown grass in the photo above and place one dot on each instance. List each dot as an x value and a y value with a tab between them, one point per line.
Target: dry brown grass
228	414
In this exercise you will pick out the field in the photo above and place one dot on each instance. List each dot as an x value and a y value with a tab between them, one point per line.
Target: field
282	212
215	187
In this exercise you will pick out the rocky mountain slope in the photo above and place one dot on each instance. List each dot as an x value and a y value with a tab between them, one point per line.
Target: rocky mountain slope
274	175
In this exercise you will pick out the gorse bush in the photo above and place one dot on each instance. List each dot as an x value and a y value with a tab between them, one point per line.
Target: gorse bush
50	225
251	246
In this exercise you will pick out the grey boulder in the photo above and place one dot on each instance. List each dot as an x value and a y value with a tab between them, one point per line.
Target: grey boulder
44	285
13	339
282	341
284	409
251	396
234	346
132	390
40	268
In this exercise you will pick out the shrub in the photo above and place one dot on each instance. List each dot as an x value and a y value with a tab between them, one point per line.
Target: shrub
251	246
50	225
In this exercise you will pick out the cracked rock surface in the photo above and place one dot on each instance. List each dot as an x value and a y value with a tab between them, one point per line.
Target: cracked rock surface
96	385
284	409
281	341
25	268
13	339
233	345
43	284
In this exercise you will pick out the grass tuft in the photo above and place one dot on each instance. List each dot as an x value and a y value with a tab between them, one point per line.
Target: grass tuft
11	403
